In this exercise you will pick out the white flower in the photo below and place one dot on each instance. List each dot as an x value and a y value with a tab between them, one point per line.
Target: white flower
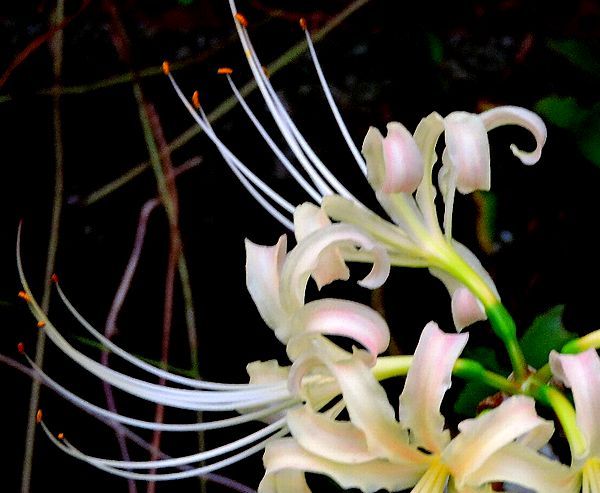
373	451
581	372
400	168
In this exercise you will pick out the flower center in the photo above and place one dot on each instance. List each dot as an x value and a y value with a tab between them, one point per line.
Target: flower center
435	478
591	476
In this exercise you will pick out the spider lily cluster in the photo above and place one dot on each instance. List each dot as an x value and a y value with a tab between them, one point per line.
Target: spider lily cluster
327	411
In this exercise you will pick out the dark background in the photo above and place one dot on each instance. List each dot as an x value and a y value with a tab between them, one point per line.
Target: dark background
388	61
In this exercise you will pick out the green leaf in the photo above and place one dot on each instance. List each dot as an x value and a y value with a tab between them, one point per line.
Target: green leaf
588	135
436	48
546	333
583	55
564	112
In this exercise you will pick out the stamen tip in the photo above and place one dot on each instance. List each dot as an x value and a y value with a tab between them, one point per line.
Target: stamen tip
224	71
60	436
166	68
24	296
196	100
302	23
241	18
21	347
41	324
39	416
266	72
54	278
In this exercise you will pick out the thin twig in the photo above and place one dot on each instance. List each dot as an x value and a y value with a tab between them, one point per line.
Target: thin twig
56	47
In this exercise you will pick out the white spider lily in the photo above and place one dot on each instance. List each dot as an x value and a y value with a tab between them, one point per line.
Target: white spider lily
280	297
373	451
581	372
396	166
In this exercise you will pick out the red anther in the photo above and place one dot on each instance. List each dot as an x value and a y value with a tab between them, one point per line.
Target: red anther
166	68
60	436
241	19
41	324
54	278
21	347
225	71
196	100
24	296
39	416
302	23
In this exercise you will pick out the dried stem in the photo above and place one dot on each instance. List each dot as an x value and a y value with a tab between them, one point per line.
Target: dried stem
56	47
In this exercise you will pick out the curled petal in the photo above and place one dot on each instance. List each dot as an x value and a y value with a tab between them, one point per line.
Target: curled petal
309	218
263	267
482	437
514	115
426	383
581	372
338	441
344	318
521	465
368	477
468	151
261	372
302	261
466	309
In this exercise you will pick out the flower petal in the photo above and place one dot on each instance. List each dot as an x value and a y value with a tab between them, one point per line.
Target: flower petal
483	436
426	383
302	261
368	477
344	318
514	115
468	151
466	309
339	441
581	372
263	267
403	160
284	481
309	218
521	465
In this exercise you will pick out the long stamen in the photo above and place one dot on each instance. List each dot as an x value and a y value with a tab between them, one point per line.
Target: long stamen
69	449
276	150
334	109
248	179
151	425
264	82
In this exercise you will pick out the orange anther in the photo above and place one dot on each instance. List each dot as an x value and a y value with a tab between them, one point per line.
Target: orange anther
196	100
225	71
24	296
38	416
241	19
41	324
21	347
166	68
302	23
266	72
54	278
60	436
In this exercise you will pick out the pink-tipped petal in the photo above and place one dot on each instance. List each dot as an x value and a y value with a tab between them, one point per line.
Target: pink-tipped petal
263	267
309	218
468	151
514	115
338	441
368	477
466	309
344	318
485	435
581	372
427	381
372	150
403	160
522	465
302	261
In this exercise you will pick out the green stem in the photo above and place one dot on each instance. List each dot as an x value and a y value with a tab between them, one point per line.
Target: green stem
504	327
